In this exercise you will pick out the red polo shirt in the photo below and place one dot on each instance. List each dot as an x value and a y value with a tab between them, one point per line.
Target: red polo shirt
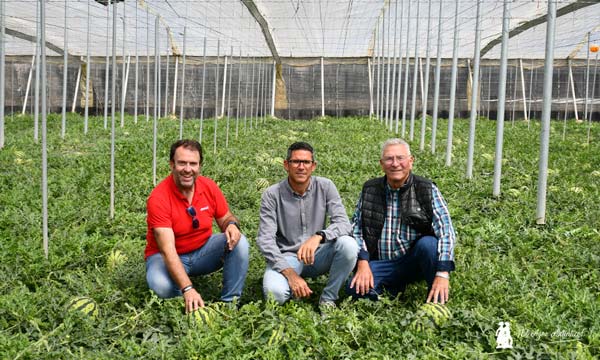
167	208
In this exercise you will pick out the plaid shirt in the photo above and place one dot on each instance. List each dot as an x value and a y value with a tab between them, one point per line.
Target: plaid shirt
397	238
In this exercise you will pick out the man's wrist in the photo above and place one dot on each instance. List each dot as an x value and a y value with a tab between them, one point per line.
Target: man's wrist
233	222
288	273
362	263
187	288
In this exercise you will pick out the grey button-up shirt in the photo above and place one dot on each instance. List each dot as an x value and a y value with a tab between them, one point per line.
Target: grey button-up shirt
287	219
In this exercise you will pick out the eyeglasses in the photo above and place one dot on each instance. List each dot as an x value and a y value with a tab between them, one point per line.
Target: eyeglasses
192	212
297	163
389	160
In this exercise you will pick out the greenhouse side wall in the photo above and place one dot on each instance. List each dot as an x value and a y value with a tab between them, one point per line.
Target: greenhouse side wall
346	86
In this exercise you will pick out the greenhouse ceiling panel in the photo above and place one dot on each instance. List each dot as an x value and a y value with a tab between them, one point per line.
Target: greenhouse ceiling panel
299	28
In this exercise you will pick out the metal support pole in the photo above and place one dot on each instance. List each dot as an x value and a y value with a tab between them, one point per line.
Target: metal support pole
452	88
546	112
370	88
166	111
436	90
273	88
28	85
426	82
87	76
394	65
386	115
106	68
216	97
175	78
113	108
228	99
203	91
264	91
156	97
523	90
123	79
382	57
376	66
259	78
399	65
569	77
237	107
587	77
413	105
322	88
137	62
2	76
224	85
489	94
76	88
36	100
147	65
566	100
532	71
572	84
589	132
44	125
501	99
246	95
65	72
126	82
289	91
261	88
251	100
381	68
181	108
217	87
474	92
158	65
406	72
514	97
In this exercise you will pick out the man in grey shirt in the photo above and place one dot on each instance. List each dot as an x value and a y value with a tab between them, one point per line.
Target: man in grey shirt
292	235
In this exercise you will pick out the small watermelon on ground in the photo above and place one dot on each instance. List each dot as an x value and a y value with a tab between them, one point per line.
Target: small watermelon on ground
85	305
115	259
262	184
203	315
431	315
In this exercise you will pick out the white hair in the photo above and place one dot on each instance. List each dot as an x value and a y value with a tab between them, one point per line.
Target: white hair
394	141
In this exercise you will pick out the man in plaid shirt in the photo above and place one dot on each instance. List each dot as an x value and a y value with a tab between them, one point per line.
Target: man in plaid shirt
403	228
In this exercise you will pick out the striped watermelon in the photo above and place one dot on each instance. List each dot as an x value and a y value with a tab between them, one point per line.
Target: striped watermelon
84	304
203	315
431	315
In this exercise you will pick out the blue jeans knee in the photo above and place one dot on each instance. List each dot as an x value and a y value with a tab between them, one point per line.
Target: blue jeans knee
158	277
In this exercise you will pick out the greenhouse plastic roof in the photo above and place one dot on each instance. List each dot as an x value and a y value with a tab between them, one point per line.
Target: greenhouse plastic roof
300	28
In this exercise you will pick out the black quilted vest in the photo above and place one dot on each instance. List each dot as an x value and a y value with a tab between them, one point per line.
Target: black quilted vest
415	203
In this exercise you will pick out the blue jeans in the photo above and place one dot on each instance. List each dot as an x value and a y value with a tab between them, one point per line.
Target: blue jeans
209	258
420	263
336	257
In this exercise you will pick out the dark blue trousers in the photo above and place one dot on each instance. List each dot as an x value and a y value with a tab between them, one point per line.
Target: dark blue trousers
420	263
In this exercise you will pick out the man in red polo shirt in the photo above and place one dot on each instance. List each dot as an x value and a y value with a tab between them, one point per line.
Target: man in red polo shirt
180	242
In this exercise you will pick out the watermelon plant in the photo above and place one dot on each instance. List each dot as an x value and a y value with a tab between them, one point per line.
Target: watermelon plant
542	279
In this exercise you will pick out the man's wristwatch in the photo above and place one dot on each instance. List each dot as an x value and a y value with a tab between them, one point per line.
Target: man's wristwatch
322	234
234	223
